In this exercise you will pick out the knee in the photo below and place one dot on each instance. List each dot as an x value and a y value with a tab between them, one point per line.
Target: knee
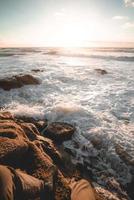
6	184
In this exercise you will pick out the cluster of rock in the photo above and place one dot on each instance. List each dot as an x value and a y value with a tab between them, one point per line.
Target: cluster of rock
18	81
36	148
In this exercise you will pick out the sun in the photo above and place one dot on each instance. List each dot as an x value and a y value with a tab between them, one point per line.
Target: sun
66	31
70	35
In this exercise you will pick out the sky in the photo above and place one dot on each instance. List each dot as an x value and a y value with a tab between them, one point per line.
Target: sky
65	22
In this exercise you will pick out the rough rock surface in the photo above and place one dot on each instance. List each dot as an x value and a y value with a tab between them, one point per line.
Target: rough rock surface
18	81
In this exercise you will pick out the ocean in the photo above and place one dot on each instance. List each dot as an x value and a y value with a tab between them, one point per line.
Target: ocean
73	90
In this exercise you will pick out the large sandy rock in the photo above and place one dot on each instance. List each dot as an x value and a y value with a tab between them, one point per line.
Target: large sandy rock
10	129
41	166
11	151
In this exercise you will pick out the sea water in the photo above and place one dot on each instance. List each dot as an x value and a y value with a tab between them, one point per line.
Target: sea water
101	107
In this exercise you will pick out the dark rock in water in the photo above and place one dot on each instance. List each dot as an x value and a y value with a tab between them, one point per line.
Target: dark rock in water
27	79
101	71
115	187
37	70
59	132
67	166
96	142
18	82
130	188
103	194
124	156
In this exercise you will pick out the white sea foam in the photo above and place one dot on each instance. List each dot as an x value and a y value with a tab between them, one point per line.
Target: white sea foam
100	106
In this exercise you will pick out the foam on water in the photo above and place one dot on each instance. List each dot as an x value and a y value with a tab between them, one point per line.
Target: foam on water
100	106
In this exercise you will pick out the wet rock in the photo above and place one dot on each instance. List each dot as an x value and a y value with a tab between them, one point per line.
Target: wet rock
130	188
96	142
18	82
124	156
40	124
6	115
37	70
101	71
59	132
103	194
115	187
67	166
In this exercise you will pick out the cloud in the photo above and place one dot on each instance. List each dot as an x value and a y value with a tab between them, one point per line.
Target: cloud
119	17
128	25
129	3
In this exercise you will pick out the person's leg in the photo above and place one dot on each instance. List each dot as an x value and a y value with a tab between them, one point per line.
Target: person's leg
15	184
7	186
81	190
33	187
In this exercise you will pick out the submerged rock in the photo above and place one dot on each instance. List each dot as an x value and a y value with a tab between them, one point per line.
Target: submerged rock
130	188
124	156
37	70
59	131
18	81
101	71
